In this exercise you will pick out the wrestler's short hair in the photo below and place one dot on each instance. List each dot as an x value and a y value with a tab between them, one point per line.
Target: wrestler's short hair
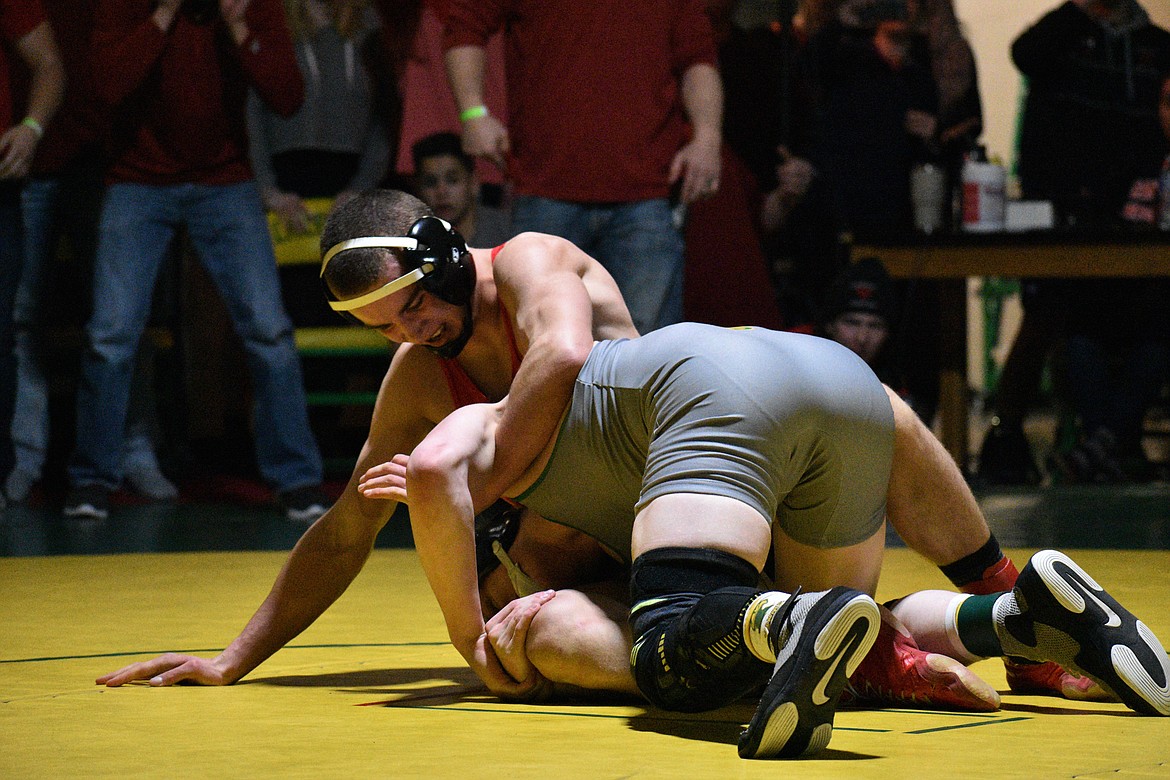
371	213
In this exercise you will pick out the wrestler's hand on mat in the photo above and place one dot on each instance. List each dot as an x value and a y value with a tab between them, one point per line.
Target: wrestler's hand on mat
386	480
507	631
168	669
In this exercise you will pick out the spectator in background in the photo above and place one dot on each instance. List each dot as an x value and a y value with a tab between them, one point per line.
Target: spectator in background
874	117
23	25
1088	130
907	50
335	145
952	64
860	310
598	137
428	107
876	113
445	180
1117	353
721	287
62	197
177	75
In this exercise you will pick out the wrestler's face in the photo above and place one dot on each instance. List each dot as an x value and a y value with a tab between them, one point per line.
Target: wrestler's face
447	187
865	334
412	315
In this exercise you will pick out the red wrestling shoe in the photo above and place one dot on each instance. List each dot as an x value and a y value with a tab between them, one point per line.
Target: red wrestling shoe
896	673
1050	679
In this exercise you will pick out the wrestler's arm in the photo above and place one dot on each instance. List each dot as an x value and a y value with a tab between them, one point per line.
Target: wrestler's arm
540	282
327	557
441	476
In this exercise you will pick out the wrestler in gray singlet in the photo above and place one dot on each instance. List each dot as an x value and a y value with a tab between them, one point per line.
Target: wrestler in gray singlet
795	426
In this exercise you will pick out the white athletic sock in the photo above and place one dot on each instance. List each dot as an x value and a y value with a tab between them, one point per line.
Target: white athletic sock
929	615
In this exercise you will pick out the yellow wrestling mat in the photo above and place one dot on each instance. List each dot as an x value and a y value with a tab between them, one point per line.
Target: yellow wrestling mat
374	690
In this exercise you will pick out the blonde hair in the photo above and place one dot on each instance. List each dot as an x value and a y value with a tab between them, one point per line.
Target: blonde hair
348	17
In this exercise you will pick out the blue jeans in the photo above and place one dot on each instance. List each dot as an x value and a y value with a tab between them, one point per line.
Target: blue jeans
228	228
10	260
636	242
42	205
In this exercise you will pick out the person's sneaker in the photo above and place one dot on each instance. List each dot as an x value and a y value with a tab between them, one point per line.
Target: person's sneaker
87	502
19	485
897	673
304	504
1049	679
1061	614
820	639
151	483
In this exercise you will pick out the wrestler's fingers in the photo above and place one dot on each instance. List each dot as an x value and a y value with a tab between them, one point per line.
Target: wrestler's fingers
390	493
143	670
384	473
381	469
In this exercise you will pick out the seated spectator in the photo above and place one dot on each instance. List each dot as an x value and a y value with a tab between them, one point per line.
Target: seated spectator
335	144
860	311
445	179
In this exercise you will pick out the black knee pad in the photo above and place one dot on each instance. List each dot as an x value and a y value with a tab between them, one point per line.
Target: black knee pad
689	654
667	581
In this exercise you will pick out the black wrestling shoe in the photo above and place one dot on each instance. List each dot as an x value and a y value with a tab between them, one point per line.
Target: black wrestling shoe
821	638
1066	617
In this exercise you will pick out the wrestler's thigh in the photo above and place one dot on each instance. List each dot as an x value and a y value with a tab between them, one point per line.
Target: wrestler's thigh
702	521
820	568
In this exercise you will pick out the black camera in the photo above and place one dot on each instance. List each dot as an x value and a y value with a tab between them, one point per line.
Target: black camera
200	11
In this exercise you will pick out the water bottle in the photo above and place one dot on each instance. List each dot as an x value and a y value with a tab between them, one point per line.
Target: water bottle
984	186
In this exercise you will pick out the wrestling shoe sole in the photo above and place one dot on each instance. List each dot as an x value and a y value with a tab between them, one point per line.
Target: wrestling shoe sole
1108	643
795	714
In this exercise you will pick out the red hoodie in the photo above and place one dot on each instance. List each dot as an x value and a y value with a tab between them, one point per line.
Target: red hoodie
179	96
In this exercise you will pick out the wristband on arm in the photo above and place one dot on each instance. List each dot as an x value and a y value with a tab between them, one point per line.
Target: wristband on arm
473	112
34	125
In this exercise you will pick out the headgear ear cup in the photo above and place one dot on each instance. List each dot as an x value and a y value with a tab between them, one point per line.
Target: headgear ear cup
453	279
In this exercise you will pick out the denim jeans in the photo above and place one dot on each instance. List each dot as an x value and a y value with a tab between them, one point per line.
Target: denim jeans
228	228
42	204
636	242
10	260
